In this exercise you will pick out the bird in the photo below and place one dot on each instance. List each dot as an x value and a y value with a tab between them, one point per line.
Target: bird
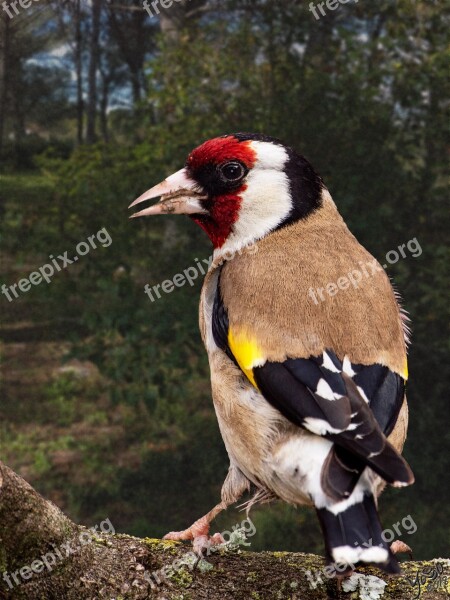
306	340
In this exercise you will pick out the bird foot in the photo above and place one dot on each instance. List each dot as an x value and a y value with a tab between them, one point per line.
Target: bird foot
398	547
202	545
199	534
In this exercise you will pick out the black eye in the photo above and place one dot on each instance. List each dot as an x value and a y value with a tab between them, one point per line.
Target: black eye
232	171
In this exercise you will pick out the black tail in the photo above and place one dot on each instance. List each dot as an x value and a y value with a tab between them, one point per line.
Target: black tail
353	536
342	469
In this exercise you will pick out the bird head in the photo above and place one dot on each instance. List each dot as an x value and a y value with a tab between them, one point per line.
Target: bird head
239	188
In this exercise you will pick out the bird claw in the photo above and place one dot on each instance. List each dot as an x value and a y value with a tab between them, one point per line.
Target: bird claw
201	541
398	547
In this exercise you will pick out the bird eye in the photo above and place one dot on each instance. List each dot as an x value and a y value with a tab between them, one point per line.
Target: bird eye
233	171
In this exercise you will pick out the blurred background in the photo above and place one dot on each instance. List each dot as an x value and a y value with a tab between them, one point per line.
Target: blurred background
105	402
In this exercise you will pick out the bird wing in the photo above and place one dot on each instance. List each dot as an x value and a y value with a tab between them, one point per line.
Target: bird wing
348	404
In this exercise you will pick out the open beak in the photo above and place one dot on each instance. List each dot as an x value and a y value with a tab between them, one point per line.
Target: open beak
180	195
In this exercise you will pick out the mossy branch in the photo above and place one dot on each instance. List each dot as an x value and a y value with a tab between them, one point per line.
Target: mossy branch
43	555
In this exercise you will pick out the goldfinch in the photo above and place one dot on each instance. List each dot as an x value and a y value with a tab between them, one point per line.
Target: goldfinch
308	360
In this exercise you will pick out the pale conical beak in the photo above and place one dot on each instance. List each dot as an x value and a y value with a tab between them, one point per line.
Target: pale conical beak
180	195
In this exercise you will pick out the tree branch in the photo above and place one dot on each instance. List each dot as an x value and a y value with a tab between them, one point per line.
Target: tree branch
52	558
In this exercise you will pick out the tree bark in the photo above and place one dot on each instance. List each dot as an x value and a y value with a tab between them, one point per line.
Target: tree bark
92	77
4	27
79	71
72	31
104	101
87	565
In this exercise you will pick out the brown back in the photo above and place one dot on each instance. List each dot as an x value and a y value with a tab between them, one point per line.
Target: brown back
267	295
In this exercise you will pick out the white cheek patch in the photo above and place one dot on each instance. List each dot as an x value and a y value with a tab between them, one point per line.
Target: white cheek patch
269	156
266	202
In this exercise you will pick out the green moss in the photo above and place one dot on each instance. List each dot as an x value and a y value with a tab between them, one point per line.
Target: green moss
252	576
165	545
100	541
280	554
181	577
3	560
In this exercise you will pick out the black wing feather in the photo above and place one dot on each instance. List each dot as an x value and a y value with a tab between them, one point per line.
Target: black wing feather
359	442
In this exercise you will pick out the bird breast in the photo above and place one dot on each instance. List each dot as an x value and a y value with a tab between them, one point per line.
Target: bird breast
271	452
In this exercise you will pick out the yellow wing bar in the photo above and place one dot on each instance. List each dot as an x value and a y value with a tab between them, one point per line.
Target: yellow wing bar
246	351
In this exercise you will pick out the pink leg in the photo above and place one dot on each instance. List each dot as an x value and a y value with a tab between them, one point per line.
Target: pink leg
234	486
199	531
397	547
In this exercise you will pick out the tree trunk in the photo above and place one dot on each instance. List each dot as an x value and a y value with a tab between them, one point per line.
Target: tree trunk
129	34
104	107
79	71
135	86
4	27
44	555
92	77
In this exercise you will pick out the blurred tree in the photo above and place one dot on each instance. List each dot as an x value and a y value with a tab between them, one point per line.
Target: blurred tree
25	84
4	46
72	17
94	59
134	34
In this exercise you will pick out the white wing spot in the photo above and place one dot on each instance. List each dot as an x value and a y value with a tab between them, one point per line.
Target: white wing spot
319	426
324	390
328	363
352	426
363	394
347	367
372	454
